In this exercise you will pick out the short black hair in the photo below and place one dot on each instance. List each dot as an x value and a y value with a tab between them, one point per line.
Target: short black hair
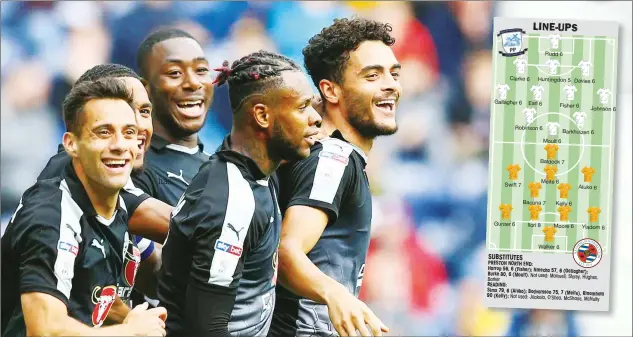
156	37
327	53
254	73
82	93
107	70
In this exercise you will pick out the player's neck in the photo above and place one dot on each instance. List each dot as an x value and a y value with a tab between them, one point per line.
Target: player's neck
253	146
102	199
189	141
335	120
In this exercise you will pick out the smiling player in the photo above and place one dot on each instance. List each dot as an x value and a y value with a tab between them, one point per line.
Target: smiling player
325	198
180	86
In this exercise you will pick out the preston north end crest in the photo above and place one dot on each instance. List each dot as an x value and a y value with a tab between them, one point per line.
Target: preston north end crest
512	42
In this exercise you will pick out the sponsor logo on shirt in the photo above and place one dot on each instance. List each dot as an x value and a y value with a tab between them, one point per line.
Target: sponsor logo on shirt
69	247
334	156
228	248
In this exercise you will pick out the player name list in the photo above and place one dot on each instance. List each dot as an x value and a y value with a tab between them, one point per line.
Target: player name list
517	281
550	190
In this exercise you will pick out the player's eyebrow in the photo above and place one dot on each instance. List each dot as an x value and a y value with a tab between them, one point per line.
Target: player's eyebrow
379	67
146	105
179	61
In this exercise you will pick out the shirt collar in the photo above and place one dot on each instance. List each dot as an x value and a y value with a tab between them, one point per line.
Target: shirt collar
338	135
78	192
159	143
225	152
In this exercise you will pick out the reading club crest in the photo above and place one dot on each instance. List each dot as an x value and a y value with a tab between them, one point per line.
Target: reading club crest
512	41
587	253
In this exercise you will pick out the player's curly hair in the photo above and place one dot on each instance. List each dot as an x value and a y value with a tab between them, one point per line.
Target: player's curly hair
327	53
254	73
107	70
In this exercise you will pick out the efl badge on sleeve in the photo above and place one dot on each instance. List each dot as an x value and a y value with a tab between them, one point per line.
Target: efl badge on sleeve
512	41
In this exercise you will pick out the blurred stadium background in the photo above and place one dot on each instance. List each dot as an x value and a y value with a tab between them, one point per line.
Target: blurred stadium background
425	272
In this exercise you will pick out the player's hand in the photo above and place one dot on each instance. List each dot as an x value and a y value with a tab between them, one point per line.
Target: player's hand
348	315
145	322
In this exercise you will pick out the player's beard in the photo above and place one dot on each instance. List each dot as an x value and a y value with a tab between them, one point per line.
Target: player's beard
141	169
361	116
281	147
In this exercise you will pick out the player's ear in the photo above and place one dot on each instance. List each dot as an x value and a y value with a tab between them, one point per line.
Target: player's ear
330	90
70	144
261	115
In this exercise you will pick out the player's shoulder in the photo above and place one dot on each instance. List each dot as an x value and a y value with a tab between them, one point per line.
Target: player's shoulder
217	181
42	203
211	179
335	146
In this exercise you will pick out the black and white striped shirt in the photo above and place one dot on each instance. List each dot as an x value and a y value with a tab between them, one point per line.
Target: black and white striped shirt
219	265
332	179
57	244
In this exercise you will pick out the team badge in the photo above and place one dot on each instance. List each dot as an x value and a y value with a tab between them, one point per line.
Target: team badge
103	302
587	253
512	41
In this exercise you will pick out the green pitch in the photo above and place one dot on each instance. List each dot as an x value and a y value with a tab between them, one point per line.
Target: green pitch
584	143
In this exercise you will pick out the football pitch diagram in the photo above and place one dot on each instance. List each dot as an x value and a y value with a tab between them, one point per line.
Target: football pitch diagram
551	143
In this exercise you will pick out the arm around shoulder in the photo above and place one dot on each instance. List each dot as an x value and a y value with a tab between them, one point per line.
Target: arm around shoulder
151	220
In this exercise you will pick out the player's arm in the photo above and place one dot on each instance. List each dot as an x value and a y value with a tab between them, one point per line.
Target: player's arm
148	217
146	277
151	220
118	312
302	228
46	315
314	203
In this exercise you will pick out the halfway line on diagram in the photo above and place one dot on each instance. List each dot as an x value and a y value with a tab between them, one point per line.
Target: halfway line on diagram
532	143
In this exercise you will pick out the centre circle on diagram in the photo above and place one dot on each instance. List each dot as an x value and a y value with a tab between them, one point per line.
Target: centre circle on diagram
550	129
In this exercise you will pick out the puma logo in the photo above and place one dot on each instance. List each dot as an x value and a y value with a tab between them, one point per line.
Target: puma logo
99	245
237	233
178	177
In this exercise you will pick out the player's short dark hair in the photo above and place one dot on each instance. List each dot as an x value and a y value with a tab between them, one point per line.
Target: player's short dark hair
152	39
82	93
107	70
327	53
254	73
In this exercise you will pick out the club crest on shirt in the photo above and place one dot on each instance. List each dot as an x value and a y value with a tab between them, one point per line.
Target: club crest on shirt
103	300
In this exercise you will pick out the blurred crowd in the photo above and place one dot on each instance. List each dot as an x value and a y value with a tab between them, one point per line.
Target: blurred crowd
425	272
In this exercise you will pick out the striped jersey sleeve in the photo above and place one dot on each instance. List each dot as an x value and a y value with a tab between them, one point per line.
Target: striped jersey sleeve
133	197
48	242
321	180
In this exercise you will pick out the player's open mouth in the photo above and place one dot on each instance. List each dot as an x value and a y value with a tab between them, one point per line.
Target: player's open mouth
116	165
387	106
191	108
141	143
